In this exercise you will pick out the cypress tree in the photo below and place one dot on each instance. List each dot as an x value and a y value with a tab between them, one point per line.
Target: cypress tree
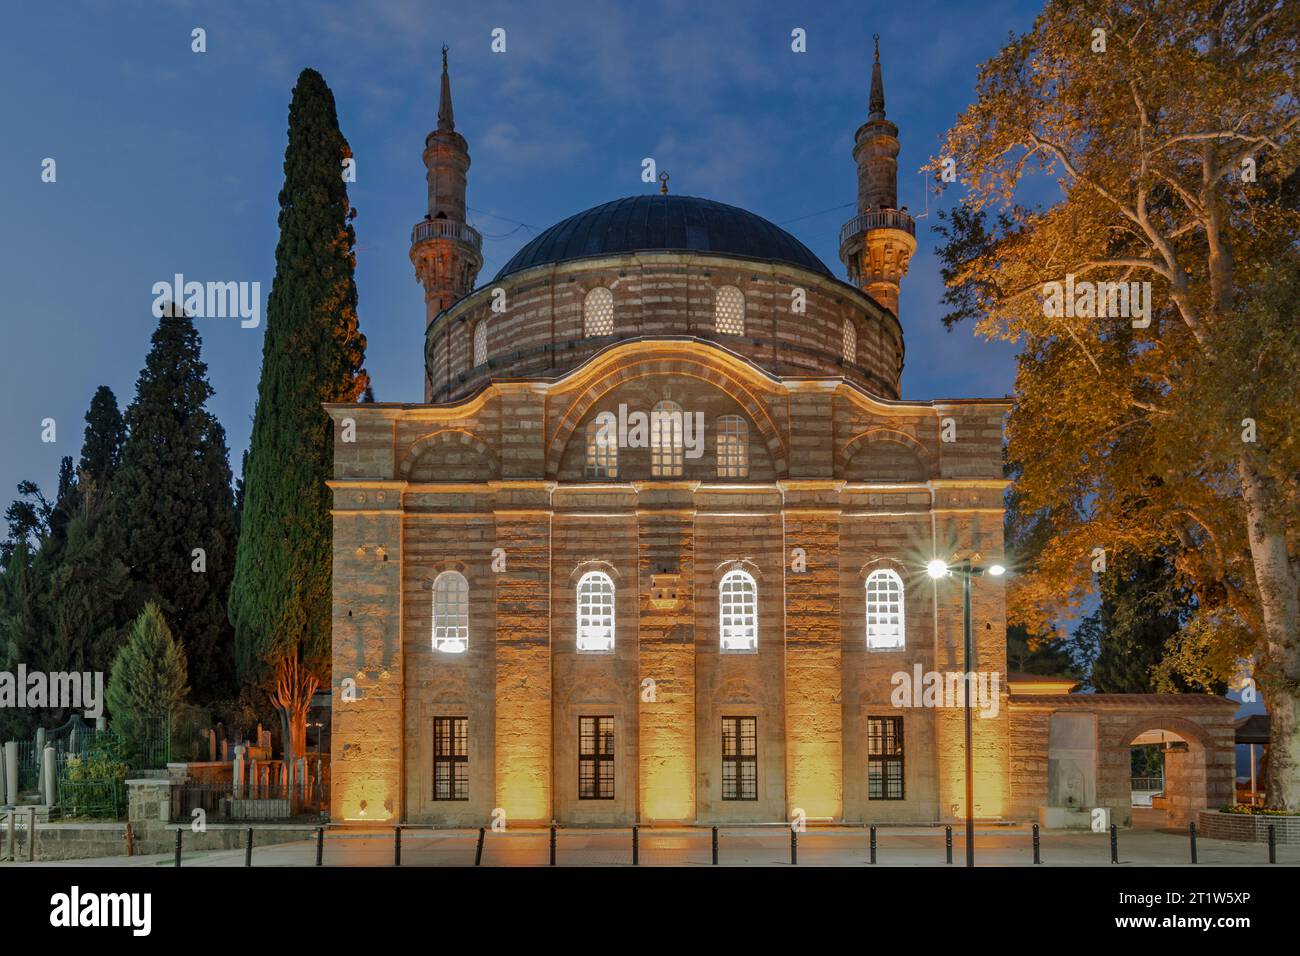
313	352
101	450
171	495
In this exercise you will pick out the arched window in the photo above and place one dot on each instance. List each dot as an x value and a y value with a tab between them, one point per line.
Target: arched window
729	311
733	447
850	341
450	613
602	446
595	612
737	612
598	312
884	609
480	343
667	443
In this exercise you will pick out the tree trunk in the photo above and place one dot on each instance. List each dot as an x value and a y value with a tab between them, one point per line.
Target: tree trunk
294	687
1279	599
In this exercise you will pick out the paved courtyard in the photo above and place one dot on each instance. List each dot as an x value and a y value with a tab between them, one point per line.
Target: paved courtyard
737	846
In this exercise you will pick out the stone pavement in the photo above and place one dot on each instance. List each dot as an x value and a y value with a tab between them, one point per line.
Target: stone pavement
738	846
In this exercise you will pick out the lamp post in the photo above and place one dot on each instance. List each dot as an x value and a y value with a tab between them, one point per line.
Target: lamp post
939	569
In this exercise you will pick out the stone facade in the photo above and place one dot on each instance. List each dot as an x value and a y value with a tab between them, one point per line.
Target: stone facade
849	481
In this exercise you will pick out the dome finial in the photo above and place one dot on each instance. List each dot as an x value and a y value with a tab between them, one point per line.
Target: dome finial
663	183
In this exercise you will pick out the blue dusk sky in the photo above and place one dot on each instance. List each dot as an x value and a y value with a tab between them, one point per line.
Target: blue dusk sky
170	161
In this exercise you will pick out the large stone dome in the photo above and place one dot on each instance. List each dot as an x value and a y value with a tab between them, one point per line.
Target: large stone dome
664	223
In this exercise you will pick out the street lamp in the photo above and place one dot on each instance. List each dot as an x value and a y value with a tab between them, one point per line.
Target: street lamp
940	569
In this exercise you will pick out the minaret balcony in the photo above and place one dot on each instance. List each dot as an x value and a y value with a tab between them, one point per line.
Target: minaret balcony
879	219
427	229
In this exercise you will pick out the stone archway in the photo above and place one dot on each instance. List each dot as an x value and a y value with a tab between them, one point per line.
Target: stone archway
1189	765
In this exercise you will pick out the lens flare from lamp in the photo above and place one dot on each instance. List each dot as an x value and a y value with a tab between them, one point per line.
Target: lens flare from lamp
997	570
936	569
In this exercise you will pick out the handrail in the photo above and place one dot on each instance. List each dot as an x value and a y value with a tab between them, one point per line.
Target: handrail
446	229
881	219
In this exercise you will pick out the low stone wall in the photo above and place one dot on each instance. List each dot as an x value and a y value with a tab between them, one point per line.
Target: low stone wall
1248	827
88	841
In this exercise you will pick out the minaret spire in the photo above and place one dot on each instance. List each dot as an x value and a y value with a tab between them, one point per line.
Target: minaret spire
877	244
876	105
446	250
446	120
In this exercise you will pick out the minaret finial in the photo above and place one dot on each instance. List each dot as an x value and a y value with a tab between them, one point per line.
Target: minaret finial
876	105
446	121
663	183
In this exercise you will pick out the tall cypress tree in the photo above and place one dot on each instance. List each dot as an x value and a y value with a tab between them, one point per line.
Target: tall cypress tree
313	352
171	495
101	450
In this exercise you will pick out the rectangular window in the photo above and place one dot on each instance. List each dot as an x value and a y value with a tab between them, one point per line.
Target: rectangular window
885	758
451	758
595	758
739	758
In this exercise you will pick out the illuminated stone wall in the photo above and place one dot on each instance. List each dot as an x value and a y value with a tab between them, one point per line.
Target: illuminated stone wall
852	482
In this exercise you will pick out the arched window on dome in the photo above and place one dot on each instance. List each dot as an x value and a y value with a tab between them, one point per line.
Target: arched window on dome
729	311
480	343
602	447
598	312
738	612
885	610
733	447
850	342
450	613
595	612
667	442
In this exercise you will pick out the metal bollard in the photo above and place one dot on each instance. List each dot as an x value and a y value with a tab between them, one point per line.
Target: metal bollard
1037	859
947	840
397	846
478	850
1191	832
715	846
1114	844
320	845
873	843
178	846
552	844
248	848
636	855
1272	844
794	847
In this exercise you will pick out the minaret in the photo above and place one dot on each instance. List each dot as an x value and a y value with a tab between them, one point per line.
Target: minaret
445	250
877	244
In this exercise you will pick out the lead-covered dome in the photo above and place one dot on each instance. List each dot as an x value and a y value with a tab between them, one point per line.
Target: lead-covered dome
664	223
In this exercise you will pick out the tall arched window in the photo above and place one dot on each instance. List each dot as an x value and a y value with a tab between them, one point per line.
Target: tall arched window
598	312
602	446
884	609
850	341
667	443
450	613
733	447
737	612
480	343
595	612
729	311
